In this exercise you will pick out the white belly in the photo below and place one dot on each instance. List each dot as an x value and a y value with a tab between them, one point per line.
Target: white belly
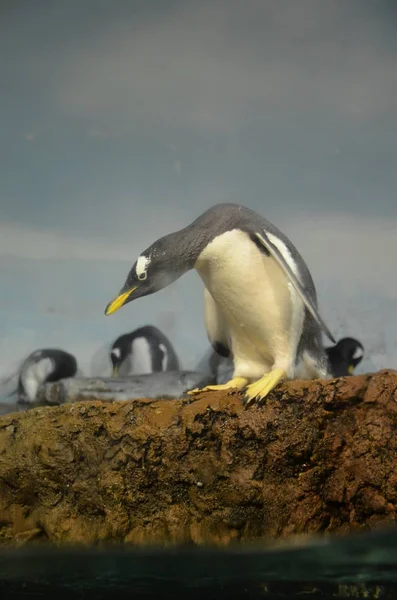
141	358
263	312
34	375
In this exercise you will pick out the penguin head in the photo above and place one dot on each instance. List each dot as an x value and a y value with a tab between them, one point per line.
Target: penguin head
352	352
118	354
157	267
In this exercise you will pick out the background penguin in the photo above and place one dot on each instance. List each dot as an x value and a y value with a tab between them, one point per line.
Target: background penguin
260	299
219	367
145	350
44	365
345	356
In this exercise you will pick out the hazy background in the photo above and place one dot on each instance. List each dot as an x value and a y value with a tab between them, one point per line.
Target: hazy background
123	120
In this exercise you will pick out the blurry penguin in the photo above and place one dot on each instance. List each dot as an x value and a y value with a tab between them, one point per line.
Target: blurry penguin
218	366
344	357
144	350
41	366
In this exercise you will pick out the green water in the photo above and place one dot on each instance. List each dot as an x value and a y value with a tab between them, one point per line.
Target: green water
359	566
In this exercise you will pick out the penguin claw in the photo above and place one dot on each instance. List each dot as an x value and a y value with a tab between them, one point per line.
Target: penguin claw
235	384
261	388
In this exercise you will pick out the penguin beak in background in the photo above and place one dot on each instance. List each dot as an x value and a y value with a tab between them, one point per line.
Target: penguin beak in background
118	302
115	370
351	369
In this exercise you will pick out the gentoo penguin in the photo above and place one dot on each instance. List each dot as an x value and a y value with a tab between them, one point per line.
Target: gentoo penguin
47	364
145	350
344	356
260	299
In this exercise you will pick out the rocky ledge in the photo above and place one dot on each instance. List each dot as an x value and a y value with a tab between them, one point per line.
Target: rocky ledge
317	457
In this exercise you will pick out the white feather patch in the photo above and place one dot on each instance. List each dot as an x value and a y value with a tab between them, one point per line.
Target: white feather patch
286	254
164	362
141	357
34	375
297	317
281	260
358	353
142	264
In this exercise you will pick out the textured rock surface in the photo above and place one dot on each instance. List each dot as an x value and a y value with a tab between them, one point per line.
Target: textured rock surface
318	456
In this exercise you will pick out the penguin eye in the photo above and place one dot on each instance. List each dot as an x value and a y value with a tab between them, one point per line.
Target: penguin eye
142	276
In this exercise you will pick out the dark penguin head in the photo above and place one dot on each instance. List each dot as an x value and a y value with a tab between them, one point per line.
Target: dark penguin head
157	267
121	349
345	356
176	253
148	350
41	366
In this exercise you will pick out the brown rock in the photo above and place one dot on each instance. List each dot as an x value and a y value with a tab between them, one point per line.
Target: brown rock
317	457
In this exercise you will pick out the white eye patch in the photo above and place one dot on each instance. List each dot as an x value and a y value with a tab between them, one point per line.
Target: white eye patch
141	267
358	353
116	352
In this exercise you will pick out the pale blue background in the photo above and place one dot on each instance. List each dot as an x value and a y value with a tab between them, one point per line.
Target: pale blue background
124	120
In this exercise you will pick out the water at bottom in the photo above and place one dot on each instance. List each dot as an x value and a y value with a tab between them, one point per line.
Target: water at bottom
356	566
